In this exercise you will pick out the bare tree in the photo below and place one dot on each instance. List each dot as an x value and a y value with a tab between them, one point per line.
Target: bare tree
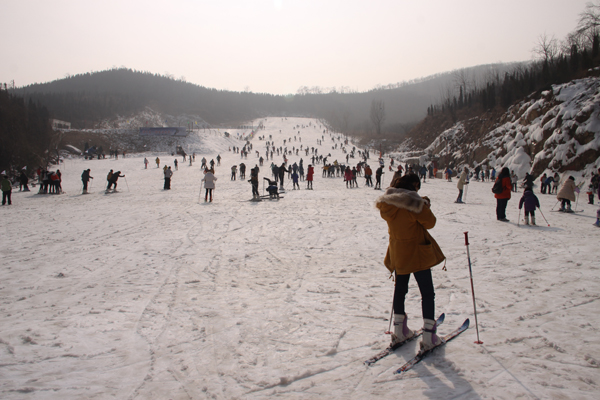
546	48
377	114
589	19
462	78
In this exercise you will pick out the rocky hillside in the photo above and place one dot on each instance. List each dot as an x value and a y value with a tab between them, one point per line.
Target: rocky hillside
553	130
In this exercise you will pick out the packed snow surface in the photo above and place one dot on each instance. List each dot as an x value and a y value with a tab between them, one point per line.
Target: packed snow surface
153	294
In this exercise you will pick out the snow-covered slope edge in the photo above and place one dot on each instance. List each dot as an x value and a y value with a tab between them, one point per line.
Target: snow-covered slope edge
557	130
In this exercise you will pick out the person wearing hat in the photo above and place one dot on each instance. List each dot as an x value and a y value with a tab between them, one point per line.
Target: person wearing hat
6	187
411	251
85	178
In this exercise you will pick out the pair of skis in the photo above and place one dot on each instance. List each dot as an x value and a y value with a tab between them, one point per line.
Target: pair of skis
422	354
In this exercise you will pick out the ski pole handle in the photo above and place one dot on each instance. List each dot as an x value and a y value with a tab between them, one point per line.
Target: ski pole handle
466	238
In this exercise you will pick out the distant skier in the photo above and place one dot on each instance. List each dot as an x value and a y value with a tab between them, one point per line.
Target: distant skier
462	181
309	176
113	180
157	162
209	184
282	171
378	174
6	187
254	181
168	174
272	188
503	196
85	178
23	181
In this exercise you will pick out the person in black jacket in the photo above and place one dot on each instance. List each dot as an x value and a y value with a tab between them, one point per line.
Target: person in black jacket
23	180
113	180
85	178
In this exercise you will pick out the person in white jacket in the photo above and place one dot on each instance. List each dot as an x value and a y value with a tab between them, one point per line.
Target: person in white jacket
209	183
462	181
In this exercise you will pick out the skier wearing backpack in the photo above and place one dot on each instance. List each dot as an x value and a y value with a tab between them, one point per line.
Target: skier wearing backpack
411	250
502	189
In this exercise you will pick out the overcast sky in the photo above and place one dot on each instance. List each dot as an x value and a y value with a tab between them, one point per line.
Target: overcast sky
273	46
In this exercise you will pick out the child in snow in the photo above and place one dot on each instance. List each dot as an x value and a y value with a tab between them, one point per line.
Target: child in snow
531	202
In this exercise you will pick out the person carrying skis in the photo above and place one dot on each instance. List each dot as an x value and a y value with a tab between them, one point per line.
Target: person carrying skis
566	194
85	178
411	250
531	202
209	183
462	181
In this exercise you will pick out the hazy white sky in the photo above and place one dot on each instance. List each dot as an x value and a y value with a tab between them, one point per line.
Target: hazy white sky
273	46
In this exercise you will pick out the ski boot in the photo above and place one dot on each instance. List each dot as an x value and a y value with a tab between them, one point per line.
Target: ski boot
430	339
527	220
533	220
401	331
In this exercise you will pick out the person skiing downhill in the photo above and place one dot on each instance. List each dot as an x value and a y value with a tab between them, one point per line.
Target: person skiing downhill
566	194
531	202
85	178
411	250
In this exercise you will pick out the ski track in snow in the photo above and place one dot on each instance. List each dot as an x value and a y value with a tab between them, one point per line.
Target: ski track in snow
152	294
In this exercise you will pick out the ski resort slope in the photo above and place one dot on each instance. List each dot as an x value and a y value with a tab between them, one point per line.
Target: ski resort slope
153	294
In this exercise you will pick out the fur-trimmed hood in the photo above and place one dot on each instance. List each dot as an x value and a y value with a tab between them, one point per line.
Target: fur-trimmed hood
402	198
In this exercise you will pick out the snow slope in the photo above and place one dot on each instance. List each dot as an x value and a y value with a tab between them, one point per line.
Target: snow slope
151	294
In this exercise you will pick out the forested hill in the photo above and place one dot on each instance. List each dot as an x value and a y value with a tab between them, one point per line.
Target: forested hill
87	99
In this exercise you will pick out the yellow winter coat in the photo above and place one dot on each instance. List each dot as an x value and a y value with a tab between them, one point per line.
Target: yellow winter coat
411	248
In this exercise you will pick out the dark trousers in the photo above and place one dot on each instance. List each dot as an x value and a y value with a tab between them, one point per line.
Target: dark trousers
501	208
425	282
6	196
85	183
167	184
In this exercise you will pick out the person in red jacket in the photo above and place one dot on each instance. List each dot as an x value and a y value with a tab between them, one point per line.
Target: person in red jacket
502	198
309	176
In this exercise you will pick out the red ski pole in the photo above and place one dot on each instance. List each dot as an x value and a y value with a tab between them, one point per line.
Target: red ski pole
472	287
